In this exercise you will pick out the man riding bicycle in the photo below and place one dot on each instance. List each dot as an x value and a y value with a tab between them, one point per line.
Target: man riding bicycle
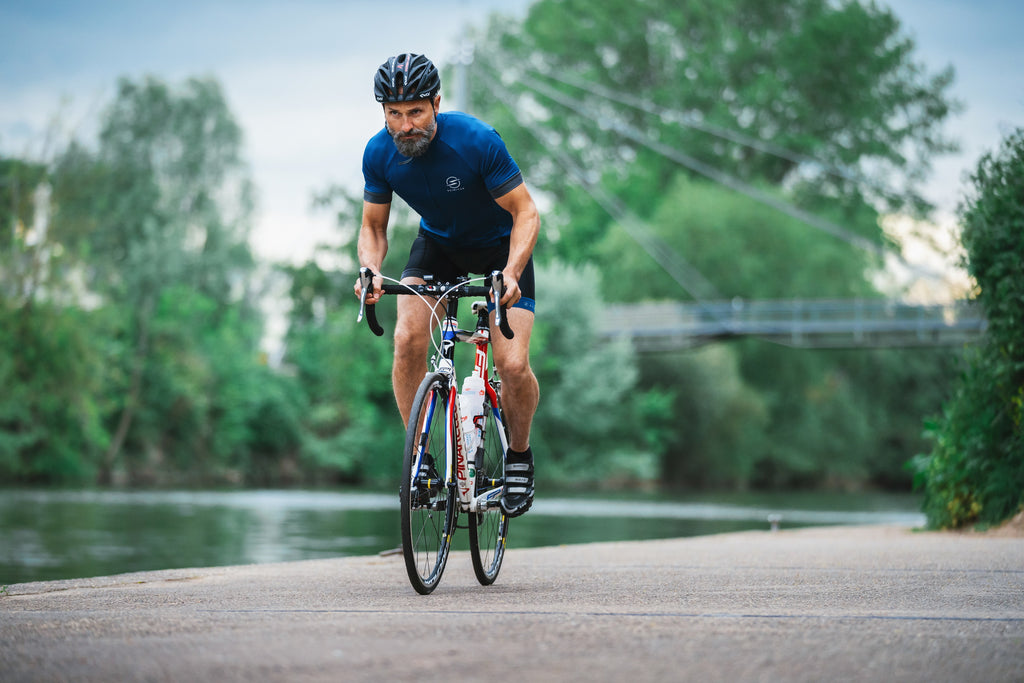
476	216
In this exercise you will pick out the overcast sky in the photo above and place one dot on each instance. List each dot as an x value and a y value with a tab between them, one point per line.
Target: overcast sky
298	77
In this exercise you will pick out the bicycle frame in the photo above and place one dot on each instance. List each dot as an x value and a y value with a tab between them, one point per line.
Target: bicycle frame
472	478
464	474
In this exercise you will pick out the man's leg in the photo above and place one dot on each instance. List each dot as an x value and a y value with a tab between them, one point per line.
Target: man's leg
519	396
412	341
519	389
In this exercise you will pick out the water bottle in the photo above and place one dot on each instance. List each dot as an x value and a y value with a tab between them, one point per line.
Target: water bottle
471	406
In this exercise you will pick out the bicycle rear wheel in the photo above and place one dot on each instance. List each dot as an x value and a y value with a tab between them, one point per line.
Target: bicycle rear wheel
428	505
488	528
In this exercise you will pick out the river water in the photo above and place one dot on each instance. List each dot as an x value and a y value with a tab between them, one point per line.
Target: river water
57	534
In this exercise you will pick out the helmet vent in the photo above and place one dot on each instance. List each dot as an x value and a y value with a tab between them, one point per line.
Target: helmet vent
405	78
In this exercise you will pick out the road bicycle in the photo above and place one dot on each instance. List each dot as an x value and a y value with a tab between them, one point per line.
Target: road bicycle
455	443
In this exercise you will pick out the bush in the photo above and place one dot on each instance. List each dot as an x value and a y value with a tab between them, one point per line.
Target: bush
975	471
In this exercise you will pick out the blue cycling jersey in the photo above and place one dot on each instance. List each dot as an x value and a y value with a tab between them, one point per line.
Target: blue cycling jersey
453	185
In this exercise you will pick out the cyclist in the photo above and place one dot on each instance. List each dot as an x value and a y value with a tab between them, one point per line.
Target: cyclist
476	216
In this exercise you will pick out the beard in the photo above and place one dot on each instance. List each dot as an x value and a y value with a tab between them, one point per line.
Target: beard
414	143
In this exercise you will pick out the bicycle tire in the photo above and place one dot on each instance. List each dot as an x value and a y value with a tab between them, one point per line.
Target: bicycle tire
488	529
429	509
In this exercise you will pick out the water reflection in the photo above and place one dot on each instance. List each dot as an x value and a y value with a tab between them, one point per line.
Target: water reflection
47	535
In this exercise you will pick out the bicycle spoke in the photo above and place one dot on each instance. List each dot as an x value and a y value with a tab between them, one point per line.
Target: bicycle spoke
489	528
427	512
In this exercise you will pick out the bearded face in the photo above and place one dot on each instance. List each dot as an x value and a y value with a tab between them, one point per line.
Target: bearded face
415	142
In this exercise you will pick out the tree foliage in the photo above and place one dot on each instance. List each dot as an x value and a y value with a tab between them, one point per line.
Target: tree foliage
975	471
134	352
51	425
797	108
23	205
741	250
823	98
595	422
163	209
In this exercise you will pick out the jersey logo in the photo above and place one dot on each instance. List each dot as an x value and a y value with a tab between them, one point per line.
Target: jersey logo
453	183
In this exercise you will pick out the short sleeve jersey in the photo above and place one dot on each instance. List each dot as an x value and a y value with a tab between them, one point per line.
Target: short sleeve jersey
453	185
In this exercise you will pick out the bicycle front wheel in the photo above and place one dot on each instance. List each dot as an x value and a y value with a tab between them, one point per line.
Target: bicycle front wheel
489	527
428	505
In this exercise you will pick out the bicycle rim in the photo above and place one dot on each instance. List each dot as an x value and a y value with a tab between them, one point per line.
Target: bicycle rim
427	504
489	528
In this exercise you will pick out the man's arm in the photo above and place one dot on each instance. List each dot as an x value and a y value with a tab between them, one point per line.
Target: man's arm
525	229
372	246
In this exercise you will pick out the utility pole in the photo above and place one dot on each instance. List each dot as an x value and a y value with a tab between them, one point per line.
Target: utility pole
463	60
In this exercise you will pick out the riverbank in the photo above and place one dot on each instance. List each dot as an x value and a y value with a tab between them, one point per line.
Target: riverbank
58	534
826	603
1011	528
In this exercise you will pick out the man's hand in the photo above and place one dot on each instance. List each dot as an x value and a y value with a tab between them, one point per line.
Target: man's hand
374	296
512	291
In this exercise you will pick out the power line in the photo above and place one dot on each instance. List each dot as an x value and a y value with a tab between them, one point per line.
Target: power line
723	178
696	122
707	320
685	275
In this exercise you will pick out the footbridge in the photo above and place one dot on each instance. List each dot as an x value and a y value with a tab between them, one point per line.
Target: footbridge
803	323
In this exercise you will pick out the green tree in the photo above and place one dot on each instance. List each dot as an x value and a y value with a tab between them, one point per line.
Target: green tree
51	371
819	113
716	436
809	94
50	420
352	431
742	250
807	418
975	471
595	423
23	245
158	220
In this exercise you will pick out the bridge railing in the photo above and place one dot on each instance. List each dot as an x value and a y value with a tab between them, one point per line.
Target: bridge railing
811	323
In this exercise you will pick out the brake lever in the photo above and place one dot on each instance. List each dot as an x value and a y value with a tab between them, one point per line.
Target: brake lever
497	291
366	287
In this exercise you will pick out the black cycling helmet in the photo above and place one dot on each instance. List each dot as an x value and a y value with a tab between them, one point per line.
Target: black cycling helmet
405	78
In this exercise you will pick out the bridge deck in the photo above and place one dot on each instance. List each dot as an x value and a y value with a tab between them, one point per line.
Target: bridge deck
858	323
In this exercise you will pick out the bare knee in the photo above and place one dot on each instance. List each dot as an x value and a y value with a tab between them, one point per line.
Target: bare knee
514	368
408	339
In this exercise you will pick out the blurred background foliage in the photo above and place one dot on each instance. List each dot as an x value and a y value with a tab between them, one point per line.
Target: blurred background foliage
131	302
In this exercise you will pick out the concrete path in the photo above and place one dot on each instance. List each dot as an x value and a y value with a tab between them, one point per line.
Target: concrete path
824	604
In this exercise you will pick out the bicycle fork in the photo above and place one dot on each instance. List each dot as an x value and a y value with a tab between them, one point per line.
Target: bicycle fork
468	450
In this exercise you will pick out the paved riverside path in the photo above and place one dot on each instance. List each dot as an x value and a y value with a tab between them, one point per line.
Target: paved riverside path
822	604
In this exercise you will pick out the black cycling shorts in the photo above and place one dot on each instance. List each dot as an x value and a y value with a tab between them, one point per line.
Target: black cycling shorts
428	257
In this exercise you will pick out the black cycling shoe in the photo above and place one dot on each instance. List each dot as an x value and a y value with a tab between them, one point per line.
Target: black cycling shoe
517	497
425	481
